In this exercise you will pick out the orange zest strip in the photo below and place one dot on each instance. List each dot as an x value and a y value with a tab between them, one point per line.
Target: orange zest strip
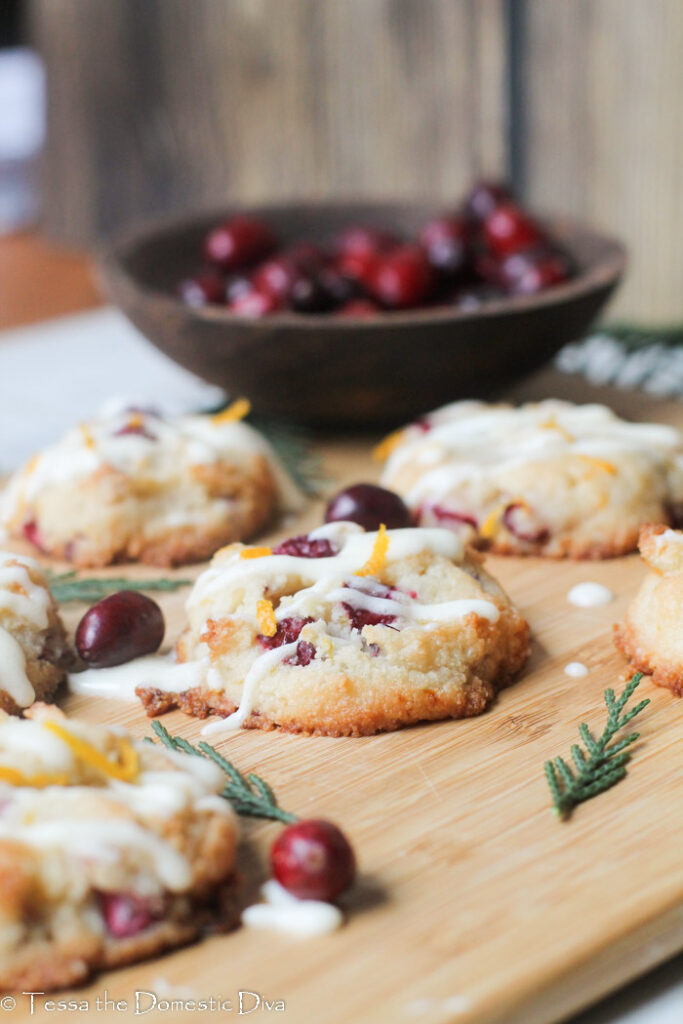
265	614
383	450
552	424
603	464
17	778
125	769
489	527
378	556
235	411
255	552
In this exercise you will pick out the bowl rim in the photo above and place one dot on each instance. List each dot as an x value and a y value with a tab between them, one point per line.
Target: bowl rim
109	256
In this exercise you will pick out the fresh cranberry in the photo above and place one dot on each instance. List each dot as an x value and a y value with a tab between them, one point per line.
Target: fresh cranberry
341	288
275	276
305	255
202	289
287	632
358	266
509	229
447	244
526	273
446	515
358	240
304	654
403	278
126	914
313	860
485	197
369	506
359	308
119	628
256	304
238	242
517	519
32	533
308	294
304	546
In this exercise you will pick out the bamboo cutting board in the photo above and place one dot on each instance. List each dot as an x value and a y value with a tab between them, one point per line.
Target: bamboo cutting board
474	904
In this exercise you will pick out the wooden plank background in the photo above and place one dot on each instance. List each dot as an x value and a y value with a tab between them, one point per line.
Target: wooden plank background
179	104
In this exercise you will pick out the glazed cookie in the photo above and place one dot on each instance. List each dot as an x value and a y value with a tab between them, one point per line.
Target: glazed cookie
34	651
652	636
111	849
346	633
547	478
131	485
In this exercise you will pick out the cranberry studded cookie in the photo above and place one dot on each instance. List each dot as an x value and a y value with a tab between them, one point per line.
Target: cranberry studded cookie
652	636
131	485
346	633
111	849
34	651
548	478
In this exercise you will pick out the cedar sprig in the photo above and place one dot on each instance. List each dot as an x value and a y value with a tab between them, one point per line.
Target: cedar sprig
250	795
603	763
69	586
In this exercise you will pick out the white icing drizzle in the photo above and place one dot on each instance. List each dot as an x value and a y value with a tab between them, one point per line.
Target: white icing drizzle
284	913
22	603
589	595
120	682
469	441
262	667
576	669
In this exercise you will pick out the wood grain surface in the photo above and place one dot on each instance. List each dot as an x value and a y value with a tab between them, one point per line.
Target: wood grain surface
474	906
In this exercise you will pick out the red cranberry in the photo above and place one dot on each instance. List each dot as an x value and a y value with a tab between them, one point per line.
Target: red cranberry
287	632
237	285
119	628
403	278
369	506
238	242
365	241
341	288
519	522
32	533
313	860
485	197
359	308
446	242
308	294
126	914
305	255
471	299
256	304
526	273
363	616
509	229
445	515
276	276
358	266
202	289
304	654
304	546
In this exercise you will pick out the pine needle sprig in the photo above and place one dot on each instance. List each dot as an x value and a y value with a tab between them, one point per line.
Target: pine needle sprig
69	586
250	795
602	764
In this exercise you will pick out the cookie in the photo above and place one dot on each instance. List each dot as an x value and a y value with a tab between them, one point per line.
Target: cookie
548	478
652	635
34	651
346	633
111	849
131	485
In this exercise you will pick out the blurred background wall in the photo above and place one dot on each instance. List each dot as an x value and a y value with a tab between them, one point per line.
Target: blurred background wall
166	105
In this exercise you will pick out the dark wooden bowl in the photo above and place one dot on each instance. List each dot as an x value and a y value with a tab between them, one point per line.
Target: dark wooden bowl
351	372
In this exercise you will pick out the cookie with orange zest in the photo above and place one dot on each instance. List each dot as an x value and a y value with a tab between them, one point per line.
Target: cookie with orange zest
111	849
546	478
346	633
149	488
